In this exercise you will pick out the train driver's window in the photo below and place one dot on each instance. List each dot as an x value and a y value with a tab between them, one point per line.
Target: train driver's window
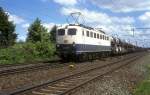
72	31
61	32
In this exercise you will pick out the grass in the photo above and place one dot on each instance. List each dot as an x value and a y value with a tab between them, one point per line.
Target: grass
144	87
27	52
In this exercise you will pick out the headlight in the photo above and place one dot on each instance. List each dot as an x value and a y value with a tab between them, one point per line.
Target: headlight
57	45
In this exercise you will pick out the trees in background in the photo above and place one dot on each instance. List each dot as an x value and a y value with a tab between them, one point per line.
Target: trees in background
37	32
39	45
7	30
53	34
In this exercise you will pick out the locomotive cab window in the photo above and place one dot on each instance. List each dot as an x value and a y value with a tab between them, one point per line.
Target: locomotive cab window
72	31
61	32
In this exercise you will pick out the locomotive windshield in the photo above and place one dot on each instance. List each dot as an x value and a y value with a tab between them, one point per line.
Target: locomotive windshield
72	31
61	32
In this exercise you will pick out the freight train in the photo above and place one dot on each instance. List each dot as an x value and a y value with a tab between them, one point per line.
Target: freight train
79	42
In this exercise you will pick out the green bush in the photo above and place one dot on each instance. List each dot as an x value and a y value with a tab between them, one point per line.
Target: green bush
27	52
44	50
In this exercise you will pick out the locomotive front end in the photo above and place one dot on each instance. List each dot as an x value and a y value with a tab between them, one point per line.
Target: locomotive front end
66	41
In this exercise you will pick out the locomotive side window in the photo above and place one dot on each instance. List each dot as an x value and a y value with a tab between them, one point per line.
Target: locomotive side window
101	36
61	32
87	33
91	34
98	36
107	38
94	35
72	31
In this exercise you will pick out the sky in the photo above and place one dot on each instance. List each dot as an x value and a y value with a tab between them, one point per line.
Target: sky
115	17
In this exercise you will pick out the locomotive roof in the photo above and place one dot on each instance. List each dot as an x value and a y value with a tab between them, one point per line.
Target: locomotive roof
87	27
81	25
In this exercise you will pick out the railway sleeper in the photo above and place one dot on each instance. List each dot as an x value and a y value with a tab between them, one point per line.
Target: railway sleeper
60	88
42	93
51	91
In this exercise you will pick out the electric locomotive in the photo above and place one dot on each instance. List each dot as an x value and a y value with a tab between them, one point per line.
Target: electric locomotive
76	41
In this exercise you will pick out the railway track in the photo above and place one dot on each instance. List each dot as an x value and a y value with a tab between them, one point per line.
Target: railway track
7	69
21	68
68	84
13	69
7	65
31	63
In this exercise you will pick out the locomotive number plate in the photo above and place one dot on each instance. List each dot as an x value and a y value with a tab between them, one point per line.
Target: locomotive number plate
65	41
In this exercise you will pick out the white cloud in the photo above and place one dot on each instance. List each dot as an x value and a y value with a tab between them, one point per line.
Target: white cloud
16	19
98	17
145	20
110	24
145	17
26	25
21	38
49	26
123	5
66	2
90	16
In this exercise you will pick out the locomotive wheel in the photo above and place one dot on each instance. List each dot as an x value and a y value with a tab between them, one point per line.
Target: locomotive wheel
64	58
79	58
83	57
89	56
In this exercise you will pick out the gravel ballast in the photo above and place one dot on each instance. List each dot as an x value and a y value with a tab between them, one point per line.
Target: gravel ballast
120	82
98	87
19	80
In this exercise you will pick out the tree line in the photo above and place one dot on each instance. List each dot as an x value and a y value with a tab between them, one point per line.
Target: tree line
39	44
36	31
